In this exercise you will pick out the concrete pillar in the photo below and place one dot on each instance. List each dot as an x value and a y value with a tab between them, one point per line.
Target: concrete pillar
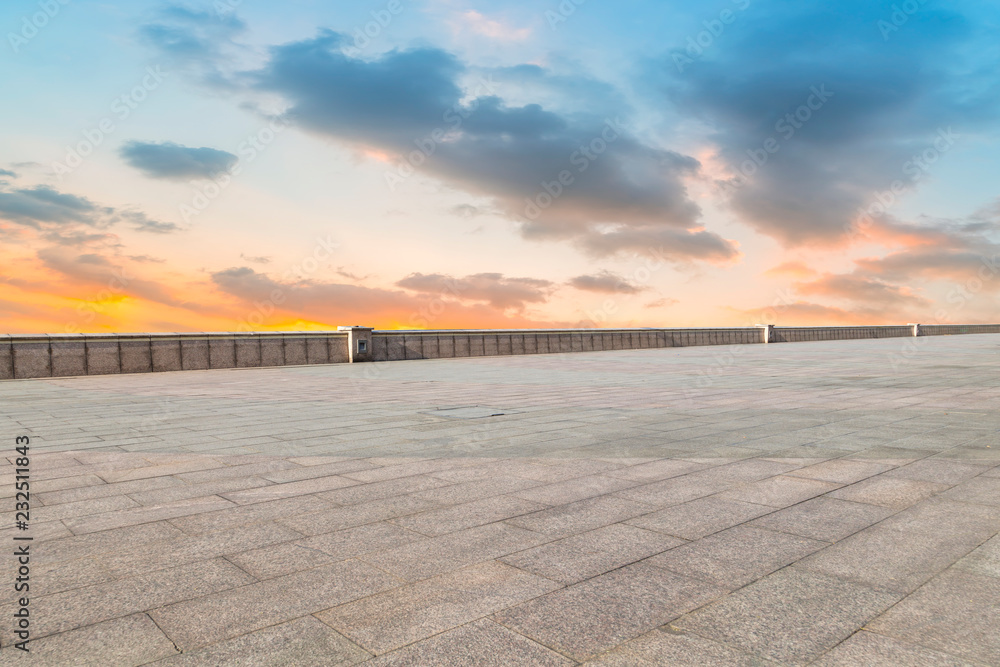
915	327
359	343
767	332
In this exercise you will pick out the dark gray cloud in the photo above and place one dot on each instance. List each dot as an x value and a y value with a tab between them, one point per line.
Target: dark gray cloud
174	161
890	99
68	219
411	105
604	282
492	288
41	205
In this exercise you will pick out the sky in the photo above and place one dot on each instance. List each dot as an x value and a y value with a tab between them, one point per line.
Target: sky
233	165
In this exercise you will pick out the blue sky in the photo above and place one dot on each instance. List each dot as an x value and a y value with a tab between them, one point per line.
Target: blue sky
458	163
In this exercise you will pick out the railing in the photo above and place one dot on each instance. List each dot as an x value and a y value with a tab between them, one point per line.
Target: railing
61	355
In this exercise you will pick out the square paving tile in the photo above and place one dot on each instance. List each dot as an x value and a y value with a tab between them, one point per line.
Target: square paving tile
481	643
597	614
668	646
874	650
589	554
956	613
701	517
390	620
235	612
894	492
304	642
131	640
736	556
907	549
780	491
580	516
824	518
437	555
791	616
843	471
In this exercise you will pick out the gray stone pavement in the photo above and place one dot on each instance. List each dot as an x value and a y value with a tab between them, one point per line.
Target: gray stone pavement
832	503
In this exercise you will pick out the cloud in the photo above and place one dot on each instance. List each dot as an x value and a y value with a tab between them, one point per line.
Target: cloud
99	272
664	244
8	173
805	313
862	289
176	162
937	264
259	259
68	219
201	43
793	269
479	24
605	282
344	273
143	223
467	211
887	103
410	105
660	303
336	303
41	206
492	288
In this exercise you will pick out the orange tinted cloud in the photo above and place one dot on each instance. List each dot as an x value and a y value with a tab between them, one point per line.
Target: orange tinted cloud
791	269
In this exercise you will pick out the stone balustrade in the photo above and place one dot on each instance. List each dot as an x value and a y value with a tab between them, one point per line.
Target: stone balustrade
61	355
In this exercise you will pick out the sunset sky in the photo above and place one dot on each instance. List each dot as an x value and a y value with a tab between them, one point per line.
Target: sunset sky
233	164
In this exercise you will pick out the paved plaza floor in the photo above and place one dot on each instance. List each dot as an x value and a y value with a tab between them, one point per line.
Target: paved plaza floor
832	503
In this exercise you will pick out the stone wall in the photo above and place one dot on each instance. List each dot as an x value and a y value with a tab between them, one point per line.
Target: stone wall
802	334
61	355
